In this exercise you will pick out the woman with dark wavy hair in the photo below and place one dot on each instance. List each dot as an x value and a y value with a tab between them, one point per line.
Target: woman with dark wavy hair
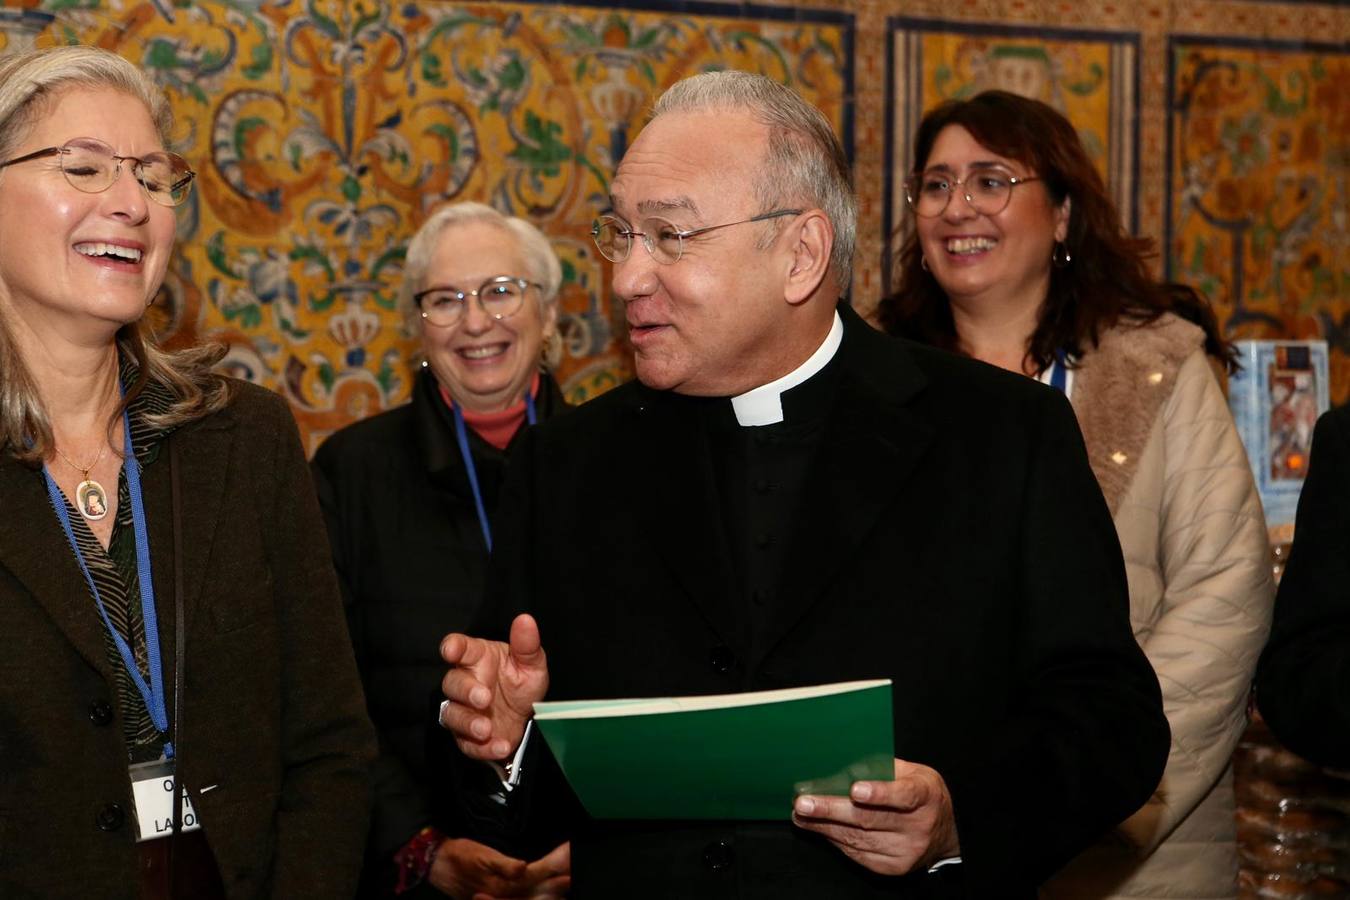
1016	256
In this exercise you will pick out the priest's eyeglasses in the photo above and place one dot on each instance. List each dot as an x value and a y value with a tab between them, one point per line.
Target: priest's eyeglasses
664	241
91	166
499	298
987	190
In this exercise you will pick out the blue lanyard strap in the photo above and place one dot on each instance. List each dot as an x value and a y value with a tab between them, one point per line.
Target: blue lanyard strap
462	438
152	693
1059	373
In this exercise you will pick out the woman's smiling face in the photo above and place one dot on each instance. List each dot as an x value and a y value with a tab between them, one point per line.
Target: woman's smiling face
75	257
486	364
977	256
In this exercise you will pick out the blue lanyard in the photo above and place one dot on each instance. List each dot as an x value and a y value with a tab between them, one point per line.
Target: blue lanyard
1059	373
153	693
462	437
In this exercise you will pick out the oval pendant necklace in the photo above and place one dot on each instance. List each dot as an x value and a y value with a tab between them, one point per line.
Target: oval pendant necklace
90	498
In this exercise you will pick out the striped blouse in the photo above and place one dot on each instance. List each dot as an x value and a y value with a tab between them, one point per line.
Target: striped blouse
114	573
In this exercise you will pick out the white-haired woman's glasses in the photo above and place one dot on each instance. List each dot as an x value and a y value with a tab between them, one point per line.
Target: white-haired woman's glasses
499	298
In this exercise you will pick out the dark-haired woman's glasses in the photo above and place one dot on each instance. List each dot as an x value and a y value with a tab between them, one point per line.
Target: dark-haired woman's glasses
987	191
91	166
499	298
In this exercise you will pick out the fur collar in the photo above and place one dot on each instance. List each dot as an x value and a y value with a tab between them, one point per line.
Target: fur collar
1120	388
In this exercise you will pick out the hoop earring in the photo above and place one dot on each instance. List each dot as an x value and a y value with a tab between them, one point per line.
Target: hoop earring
1060	256
923	263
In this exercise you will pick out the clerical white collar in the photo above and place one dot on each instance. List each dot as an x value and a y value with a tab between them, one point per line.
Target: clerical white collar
764	405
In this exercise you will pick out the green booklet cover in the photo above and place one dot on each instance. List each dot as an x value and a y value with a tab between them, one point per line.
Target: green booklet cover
728	756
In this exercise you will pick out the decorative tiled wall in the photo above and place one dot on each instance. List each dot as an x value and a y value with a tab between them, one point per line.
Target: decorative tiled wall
324	131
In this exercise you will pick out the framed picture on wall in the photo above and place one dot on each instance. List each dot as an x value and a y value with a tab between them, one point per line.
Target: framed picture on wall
1276	397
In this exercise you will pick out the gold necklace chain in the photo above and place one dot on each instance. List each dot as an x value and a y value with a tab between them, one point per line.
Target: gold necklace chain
83	470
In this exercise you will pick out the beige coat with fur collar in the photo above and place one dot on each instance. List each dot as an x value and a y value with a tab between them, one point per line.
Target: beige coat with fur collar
1163	446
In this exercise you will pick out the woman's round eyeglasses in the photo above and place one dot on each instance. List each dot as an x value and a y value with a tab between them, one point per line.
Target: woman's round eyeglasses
987	190
500	298
91	166
664	241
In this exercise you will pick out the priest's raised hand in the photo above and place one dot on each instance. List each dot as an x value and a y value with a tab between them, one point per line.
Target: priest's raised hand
491	689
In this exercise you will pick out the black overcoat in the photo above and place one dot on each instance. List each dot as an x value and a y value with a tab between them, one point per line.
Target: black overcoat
1303	679
951	537
411	559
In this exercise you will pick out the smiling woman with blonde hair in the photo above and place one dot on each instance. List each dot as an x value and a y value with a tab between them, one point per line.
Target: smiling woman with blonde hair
166	599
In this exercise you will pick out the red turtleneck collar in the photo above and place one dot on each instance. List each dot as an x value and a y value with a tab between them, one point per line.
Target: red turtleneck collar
497	428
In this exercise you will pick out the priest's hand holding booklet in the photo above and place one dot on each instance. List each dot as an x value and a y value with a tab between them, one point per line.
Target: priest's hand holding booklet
822	756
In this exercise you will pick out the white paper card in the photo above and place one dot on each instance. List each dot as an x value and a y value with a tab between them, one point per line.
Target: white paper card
153	795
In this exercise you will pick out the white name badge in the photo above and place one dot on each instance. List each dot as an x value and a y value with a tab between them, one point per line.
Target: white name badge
152	792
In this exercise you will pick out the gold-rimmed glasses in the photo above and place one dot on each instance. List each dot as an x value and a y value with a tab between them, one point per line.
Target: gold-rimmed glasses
91	166
987	189
500	298
664	241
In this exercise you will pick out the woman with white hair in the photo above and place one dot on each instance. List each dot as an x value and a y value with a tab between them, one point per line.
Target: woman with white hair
409	496
167	603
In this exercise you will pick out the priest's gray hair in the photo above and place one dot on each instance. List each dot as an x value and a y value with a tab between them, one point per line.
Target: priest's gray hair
30	84
806	164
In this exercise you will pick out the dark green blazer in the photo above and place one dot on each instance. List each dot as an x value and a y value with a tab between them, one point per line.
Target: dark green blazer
274	744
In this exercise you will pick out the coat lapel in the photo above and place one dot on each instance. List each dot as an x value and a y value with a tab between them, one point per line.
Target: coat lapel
203	459
40	558
871	448
1119	389
682	515
34	549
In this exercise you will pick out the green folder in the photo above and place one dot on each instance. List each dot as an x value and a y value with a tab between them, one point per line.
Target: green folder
729	756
